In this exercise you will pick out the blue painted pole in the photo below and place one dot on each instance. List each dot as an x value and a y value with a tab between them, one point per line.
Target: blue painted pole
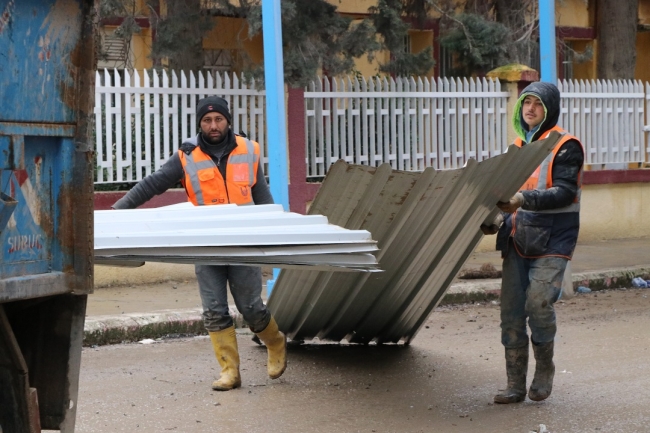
276	124
548	56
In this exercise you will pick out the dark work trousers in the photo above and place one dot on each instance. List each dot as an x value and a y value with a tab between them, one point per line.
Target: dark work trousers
529	288
246	287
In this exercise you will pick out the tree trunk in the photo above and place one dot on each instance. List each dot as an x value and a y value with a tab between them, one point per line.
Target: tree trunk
617	24
190	58
180	37
514	14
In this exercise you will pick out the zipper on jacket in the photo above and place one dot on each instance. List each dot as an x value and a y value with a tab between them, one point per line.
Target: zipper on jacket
224	177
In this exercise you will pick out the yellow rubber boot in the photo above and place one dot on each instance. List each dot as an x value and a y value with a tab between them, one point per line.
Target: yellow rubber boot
276	346
224	343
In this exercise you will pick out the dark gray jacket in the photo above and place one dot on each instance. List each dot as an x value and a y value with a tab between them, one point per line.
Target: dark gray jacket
172	172
544	234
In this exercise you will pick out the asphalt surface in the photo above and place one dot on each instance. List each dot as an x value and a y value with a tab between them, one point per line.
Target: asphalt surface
443	382
153	310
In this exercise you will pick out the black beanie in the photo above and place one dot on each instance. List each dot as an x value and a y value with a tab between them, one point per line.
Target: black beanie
212	104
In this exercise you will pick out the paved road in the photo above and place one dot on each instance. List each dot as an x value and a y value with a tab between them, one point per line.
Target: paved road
443	382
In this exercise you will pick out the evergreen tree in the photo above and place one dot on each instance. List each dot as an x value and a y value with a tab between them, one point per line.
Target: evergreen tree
482	34
490	33
480	45
485	34
520	17
389	19
179	35
315	36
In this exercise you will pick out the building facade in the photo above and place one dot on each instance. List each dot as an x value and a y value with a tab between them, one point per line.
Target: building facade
227	47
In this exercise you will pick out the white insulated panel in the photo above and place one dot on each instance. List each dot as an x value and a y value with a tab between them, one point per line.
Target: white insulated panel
263	235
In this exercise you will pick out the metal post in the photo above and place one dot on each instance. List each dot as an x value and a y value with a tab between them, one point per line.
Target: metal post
275	108
548	57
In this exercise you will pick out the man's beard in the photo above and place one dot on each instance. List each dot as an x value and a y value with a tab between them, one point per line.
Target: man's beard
211	140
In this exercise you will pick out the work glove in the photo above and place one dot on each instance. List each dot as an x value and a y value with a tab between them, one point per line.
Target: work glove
492	229
513	204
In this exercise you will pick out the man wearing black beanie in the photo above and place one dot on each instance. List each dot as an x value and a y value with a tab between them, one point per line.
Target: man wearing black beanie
218	167
212	104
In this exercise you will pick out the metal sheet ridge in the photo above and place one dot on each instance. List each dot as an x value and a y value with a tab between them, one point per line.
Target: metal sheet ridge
426	225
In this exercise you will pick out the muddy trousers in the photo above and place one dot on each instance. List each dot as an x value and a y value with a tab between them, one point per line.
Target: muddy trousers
529	288
246	288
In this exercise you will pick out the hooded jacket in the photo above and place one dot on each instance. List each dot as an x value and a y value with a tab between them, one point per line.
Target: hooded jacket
539	229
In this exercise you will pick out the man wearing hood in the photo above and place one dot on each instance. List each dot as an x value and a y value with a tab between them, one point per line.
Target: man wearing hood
218	167
537	234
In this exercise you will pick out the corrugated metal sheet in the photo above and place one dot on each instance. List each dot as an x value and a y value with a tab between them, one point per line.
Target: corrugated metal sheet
426	225
229	234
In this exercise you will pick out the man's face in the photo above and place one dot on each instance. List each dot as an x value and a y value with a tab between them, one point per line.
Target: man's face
532	111
214	127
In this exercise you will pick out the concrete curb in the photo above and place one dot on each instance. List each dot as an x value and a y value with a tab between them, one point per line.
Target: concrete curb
102	330
610	279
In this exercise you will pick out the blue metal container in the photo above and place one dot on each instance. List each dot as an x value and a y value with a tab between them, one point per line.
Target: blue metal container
7	206
47	63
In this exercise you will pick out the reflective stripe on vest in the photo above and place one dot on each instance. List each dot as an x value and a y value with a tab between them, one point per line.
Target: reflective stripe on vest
542	177
204	183
249	158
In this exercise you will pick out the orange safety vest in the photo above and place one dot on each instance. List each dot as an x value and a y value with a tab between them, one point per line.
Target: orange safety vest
205	185
542	177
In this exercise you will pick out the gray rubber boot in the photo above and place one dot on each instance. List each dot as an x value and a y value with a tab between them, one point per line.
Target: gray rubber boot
516	368
542	384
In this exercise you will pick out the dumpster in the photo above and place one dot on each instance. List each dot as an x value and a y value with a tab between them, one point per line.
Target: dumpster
47	63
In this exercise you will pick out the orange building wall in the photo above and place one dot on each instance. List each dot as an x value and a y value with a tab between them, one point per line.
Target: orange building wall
574	13
585	70
366	68
140	50
420	41
353	6
232	34
642	71
644	12
226	34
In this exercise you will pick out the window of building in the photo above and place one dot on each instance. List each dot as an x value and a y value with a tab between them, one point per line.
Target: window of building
567	60
407	43
115	50
446	63
576	59
218	60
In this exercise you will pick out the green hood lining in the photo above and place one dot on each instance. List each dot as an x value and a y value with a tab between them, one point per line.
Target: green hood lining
517	118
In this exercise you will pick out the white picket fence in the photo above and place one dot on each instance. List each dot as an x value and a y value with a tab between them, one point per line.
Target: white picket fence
141	120
609	118
409	123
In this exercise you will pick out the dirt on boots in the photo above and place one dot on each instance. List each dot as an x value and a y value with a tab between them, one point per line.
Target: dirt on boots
276	345
542	384
224	343
516	369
